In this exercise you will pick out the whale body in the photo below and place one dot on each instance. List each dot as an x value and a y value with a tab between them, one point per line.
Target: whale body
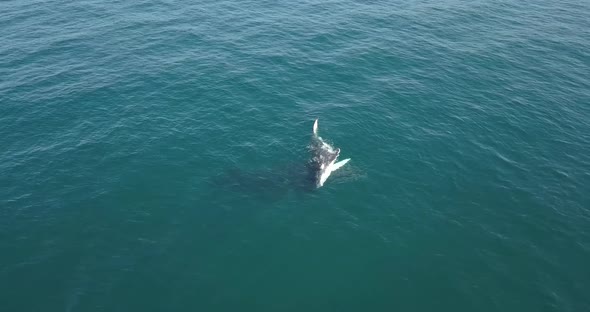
324	158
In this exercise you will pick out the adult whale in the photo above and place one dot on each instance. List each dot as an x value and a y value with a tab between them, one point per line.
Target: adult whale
324	156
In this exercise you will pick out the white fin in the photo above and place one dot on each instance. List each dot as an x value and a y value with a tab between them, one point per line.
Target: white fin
315	127
339	164
330	169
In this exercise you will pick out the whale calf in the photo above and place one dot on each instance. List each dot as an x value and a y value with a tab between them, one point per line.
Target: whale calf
324	158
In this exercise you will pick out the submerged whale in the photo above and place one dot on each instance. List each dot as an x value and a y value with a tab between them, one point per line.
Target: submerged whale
277	181
324	156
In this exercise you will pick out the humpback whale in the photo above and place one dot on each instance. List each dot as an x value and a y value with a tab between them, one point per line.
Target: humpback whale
324	156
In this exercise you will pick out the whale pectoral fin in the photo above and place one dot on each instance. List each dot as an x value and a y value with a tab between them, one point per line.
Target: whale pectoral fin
315	127
339	164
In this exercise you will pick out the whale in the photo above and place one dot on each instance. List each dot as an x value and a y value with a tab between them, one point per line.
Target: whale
324	158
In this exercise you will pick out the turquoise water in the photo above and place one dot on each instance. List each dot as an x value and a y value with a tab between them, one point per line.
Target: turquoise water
152	155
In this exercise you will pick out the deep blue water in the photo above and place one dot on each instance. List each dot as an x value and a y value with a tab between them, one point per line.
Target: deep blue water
153	155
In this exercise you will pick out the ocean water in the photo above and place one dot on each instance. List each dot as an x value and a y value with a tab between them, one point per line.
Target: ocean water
153	155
